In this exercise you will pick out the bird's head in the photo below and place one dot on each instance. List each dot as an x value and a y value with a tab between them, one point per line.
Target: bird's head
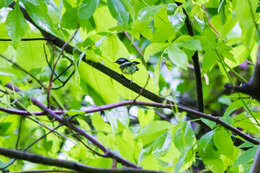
121	60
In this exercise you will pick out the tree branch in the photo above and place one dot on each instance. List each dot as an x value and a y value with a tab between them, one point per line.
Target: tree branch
252	87
35	158
195	59
104	69
29	146
134	45
78	130
26	39
22	69
193	112
46	170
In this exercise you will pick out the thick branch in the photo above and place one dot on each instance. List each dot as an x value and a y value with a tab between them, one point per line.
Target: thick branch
195	59
104	69
78	130
26	39
196	114
35	158
116	76
252	87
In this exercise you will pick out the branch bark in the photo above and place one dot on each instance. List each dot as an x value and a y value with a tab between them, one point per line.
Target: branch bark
252	87
104	69
35	158
196	113
195	59
82	132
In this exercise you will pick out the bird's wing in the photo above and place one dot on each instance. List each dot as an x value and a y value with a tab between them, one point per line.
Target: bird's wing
126	64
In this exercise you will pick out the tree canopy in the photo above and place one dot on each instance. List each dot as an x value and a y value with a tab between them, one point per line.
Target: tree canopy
191	104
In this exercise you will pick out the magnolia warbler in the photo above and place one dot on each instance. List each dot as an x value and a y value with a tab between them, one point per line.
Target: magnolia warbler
126	66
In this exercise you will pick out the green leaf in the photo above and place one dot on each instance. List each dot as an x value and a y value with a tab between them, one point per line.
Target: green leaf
38	10
5	77
154	127
188	42
227	28
209	123
93	83
150	163
163	30
162	144
118	11
142	28
15	24
175	16
240	54
209	60
103	19
223	142
118	115
145	118
99	124
225	51
153	130
177	56
4	127
246	156
184	138
87	8
70	17
153	48
75	112
179	164
110	47
205	140
147	13
243	10
243	121
130	6
4	3
208	39
28	58
214	165
3	34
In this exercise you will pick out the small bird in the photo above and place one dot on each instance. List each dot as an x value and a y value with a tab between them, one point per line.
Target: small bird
126	66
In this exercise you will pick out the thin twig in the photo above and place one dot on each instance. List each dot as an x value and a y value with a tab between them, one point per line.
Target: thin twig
82	132
46	170
141	90
19	132
47	61
54	66
88	147
27	39
22	69
253	17
209	20
17	143
65	70
196	113
36	158
31	118
29	146
64	83
135	46
99	66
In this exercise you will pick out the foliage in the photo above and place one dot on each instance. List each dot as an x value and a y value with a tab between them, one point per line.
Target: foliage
154	33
